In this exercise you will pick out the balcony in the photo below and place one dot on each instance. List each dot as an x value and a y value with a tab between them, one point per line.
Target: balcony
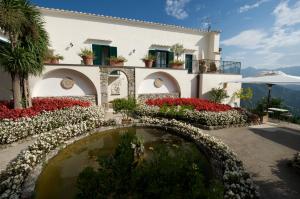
197	66
218	66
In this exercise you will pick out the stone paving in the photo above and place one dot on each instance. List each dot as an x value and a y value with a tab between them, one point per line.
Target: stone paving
9	152
265	151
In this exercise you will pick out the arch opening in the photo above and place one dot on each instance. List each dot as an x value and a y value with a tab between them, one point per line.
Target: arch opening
64	83
159	84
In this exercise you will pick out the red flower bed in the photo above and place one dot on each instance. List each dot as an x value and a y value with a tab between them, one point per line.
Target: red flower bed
39	105
198	104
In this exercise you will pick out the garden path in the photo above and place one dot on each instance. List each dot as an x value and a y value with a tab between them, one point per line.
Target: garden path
10	151
265	151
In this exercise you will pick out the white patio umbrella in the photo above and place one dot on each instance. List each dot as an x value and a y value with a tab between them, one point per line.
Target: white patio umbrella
270	78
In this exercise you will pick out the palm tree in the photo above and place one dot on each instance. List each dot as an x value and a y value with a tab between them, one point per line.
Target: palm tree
11	21
36	42
21	22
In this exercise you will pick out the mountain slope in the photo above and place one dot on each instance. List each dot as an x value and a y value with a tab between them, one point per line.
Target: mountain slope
289	93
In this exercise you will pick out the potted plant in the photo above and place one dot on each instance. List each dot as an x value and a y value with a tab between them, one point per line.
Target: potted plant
87	56
148	60
50	58
126	107
213	67
178	50
202	66
55	59
177	64
117	61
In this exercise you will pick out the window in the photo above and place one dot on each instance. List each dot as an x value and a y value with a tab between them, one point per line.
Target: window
189	63
103	53
163	58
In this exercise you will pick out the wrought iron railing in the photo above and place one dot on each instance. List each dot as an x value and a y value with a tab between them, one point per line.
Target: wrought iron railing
217	66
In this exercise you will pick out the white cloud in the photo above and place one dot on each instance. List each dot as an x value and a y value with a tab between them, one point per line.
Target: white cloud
248	39
271	47
248	7
287	16
176	8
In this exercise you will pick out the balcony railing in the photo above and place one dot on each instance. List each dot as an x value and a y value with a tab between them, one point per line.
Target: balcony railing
218	66
198	66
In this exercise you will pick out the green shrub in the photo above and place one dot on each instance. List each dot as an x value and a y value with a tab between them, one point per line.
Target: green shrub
177	173
176	112
218	95
124	106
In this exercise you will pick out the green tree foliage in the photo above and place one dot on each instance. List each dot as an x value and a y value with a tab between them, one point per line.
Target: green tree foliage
178	50
177	173
261	105
244	94
22	23
218	95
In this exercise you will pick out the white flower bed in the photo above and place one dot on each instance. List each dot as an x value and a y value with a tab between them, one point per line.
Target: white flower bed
225	118
11	131
237	181
12	179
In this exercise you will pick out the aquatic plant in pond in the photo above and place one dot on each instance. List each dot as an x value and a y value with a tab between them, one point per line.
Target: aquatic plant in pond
62	171
169	173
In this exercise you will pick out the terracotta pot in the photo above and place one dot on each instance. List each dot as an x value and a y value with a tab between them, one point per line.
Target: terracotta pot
87	60
126	121
148	63
54	61
213	67
177	66
47	61
203	68
116	64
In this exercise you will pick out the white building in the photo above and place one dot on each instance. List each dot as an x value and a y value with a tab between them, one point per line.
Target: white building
70	31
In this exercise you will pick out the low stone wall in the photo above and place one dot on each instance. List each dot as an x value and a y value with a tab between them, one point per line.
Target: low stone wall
90	98
143	97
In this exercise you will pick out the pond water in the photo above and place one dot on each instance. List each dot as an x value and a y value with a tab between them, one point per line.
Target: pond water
58	178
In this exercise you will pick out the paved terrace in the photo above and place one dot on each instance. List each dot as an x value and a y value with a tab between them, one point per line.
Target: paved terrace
265	151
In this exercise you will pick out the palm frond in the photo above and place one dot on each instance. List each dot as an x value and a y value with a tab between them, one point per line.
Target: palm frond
15	60
11	16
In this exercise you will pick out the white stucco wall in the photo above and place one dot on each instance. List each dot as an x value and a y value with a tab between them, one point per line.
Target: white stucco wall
132	39
87	81
170	85
123	85
5	86
187	83
210	81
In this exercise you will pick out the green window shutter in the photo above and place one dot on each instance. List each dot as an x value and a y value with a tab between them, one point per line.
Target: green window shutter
97	50
153	53
113	52
170	58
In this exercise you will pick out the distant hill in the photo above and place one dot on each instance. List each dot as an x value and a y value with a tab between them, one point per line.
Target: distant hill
289	93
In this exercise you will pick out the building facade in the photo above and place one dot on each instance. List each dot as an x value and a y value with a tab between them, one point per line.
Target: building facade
70	31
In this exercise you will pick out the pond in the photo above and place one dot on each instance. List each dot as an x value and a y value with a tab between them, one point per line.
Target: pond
58	178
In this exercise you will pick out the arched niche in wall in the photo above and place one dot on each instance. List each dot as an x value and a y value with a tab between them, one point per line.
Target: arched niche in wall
117	85
159	83
64	82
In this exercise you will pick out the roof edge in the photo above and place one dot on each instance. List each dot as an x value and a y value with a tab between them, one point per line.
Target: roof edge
130	20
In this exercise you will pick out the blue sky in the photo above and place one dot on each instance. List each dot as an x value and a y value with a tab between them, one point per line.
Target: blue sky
260	33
